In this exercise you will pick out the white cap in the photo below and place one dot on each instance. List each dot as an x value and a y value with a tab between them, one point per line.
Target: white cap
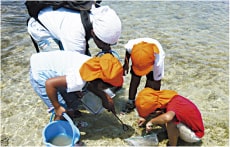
106	24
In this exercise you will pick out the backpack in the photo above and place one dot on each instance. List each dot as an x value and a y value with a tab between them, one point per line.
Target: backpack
83	7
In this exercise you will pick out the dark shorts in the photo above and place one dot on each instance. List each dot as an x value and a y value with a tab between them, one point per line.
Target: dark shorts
149	76
72	99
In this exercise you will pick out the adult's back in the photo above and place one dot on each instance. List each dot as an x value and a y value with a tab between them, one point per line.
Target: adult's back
65	25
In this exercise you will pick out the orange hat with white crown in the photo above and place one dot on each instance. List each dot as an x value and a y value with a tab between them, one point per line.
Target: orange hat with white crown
143	58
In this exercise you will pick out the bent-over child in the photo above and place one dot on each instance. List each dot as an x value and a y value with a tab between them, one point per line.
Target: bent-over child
52	71
147	56
182	117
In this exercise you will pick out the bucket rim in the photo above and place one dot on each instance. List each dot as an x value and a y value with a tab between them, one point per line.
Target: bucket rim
75	131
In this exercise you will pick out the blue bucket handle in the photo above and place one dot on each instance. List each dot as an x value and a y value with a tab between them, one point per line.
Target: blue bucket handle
70	122
110	51
72	125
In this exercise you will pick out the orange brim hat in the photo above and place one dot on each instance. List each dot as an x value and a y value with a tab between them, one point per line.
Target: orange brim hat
142	56
148	100
107	67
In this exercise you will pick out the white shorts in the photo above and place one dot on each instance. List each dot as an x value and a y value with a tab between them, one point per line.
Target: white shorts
187	134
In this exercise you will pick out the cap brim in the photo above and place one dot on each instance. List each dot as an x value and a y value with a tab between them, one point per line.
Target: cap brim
141	72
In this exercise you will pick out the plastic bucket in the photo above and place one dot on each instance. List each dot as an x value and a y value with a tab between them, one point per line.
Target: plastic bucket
61	133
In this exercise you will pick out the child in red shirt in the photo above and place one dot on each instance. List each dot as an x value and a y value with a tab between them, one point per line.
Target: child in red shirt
182	117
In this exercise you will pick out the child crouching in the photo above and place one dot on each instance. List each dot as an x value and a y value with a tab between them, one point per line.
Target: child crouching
182	118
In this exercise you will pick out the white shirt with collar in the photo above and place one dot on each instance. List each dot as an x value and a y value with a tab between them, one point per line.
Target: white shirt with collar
158	67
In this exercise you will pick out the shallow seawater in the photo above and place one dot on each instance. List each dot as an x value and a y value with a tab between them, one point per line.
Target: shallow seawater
194	36
147	140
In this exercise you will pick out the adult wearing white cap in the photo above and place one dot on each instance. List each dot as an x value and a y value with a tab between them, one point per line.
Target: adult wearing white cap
65	26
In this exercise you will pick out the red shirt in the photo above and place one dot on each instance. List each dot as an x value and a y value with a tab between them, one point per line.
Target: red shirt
187	113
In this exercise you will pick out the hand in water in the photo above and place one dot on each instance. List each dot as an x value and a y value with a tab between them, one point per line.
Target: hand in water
149	126
141	121
108	104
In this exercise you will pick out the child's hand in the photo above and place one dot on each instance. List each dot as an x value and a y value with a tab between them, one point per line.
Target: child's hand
58	112
149	126
108	104
141	121
125	69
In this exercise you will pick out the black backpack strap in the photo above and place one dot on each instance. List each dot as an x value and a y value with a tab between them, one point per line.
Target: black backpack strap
34	42
87	26
33	11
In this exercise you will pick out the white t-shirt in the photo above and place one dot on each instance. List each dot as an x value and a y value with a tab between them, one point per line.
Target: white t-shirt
158	66
62	24
61	63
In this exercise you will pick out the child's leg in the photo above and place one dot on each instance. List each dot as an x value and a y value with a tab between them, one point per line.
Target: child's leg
72	101
173	133
134	83
150	82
